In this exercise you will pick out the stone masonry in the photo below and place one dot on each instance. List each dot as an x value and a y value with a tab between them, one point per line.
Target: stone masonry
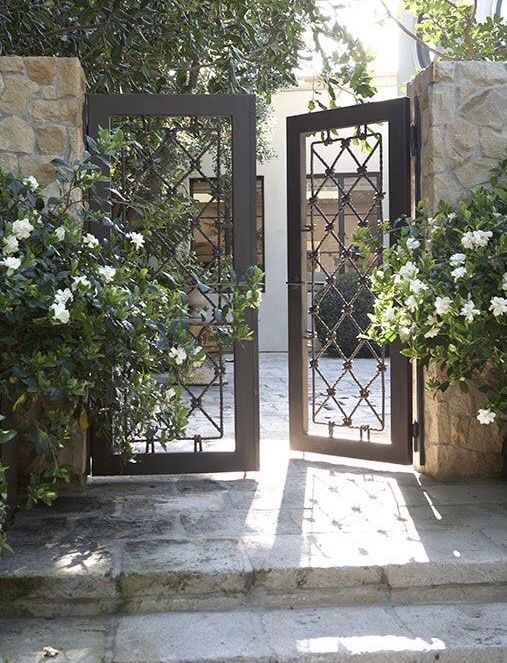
41	114
463	135
42	101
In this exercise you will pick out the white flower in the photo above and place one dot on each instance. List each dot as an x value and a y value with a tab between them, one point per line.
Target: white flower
442	305
482	237
432	332
178	354
136	238
469	311
504	281
486	416
407	331
11	245
417	286
452	216
22	228
413	243
458	273
170	394
31	182
90	240
411	303
12	264
60	313
474	238
498	306
407	271
457	259
107	273
60	233
389	315
78	281
63	296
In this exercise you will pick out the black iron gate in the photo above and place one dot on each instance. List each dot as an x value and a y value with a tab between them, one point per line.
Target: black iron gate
200	147
346	168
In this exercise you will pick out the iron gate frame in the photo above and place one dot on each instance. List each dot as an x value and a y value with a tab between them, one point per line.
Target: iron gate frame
240	110
396	112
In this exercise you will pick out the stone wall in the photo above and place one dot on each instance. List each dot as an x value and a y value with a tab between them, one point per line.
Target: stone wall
41	114
42	101
463	134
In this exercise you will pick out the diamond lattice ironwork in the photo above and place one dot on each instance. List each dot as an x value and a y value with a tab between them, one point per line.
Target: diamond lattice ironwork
337	203
169	154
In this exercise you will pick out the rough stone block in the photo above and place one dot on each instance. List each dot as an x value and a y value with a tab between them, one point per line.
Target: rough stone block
16	135
68	111
9	161
461	143
493	143
475	172
52	139
39	166
16	93
12	64
484	107
483	74
41	69
70	78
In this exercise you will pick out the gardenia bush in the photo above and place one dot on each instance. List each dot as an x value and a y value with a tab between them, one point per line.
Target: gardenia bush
442	290
86	329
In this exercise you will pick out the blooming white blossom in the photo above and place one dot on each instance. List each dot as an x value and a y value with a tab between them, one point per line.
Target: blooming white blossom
413	243
178	354
457	259
63	296
416	286
389	315
432	331
498	306
107	273
458	273
90	240
60	233
170	394
78	281
486	416
469	310
22	228
31	182
442	305
408	271
60	313
137	239
452	216
11	245
504	281
476	238
12	264
406	331
411	303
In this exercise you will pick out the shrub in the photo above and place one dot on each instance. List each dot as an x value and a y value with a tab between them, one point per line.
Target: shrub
331	305
442	290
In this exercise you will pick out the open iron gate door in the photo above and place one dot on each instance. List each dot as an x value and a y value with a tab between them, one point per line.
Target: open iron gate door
201	149
346	168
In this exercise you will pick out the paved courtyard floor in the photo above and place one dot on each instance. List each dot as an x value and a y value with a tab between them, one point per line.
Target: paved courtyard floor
274	405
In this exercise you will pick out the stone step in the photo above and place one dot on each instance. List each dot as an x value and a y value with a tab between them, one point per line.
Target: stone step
80	579
452	633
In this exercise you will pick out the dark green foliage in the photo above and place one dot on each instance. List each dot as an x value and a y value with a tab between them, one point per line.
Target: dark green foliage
331	310
162	46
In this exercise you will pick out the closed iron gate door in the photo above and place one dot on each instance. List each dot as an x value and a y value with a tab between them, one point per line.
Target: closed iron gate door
346	168
199	149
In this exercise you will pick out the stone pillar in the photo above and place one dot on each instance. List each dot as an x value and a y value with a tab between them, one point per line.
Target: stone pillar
42	101
463	135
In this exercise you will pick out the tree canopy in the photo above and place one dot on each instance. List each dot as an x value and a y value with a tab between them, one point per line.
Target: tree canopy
186	45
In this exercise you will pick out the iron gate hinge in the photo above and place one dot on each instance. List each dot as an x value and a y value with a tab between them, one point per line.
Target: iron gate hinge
414	141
